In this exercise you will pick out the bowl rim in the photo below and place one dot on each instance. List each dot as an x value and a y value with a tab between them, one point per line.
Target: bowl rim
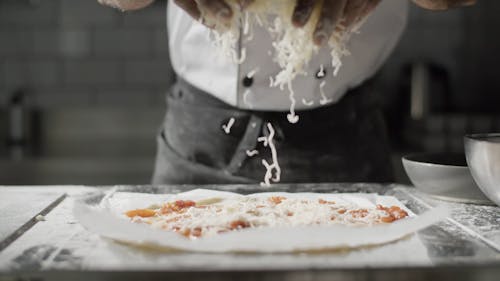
482	136
430	164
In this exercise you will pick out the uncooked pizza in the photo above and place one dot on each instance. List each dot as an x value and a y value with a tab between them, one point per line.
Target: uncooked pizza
209	217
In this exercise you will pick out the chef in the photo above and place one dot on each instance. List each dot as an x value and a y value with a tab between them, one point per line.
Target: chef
224	123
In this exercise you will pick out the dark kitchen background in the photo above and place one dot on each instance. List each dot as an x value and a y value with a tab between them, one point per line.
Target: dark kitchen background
82	87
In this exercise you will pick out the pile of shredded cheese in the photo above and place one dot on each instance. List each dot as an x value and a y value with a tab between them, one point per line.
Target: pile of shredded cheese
213	215
293	46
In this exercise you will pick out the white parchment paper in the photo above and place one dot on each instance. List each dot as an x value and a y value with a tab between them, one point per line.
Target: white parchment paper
108	221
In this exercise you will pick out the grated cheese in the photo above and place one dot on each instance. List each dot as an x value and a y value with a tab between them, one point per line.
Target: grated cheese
273	169
252	73
40	218
292	117
212	216
242	57
308	103
292	51
245	98
321	72
227	127
271	81
252	153
324	100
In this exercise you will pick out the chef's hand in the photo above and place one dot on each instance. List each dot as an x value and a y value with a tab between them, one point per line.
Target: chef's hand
216	8
346	13
126	5
334	13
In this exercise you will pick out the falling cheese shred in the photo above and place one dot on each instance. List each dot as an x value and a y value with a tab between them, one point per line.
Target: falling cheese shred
324	99
273	169
252	153
227	127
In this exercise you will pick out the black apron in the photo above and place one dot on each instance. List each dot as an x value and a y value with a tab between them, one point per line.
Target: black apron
343	142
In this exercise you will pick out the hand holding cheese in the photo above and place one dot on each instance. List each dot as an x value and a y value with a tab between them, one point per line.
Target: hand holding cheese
334	14
217	8
346	13
353	9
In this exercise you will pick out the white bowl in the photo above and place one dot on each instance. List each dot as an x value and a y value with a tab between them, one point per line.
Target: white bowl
483	158
443	176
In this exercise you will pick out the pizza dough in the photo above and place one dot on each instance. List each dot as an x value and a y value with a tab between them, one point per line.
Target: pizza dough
108	219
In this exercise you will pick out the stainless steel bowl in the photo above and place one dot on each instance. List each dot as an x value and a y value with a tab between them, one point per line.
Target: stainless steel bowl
443	176
483	158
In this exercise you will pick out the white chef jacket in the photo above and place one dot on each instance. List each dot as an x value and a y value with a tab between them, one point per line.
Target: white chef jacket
196	60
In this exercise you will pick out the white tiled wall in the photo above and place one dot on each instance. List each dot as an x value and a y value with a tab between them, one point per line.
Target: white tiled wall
79	53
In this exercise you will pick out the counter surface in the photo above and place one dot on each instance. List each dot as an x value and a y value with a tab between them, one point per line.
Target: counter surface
465	246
